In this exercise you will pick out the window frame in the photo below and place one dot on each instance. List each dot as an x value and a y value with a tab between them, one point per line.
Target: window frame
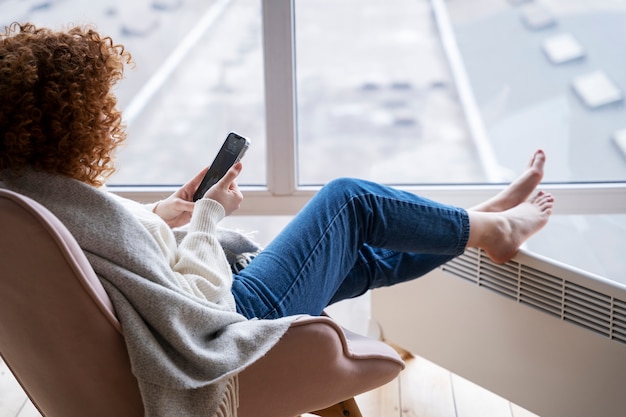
284	196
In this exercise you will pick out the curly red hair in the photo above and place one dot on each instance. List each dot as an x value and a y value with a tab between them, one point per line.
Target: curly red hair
57	111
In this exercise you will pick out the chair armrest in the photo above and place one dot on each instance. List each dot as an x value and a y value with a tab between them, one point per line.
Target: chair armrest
315	365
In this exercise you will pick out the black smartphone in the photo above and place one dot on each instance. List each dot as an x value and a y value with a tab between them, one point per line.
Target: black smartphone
230	153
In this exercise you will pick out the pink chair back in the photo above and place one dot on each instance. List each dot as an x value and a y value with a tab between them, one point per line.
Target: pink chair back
58	332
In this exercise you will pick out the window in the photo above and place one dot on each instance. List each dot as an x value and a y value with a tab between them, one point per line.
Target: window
198	73
376	97
447	99
210	84
547	74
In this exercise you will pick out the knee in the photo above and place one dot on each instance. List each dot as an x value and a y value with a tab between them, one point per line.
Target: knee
344	185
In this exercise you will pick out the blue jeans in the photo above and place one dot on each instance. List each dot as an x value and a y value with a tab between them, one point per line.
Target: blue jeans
352	236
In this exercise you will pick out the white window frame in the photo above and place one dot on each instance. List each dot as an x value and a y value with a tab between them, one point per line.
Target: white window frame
284	196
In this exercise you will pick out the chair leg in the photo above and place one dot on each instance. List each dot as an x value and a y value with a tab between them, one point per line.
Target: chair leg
347	408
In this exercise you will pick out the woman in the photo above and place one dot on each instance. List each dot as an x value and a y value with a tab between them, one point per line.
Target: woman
59	128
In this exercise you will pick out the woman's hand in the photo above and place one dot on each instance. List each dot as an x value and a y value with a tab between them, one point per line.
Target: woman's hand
226	191
177	208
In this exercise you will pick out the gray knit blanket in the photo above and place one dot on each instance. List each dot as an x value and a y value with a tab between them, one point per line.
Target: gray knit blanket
184	351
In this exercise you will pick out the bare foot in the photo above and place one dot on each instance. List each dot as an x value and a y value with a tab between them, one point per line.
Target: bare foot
501	234
519	190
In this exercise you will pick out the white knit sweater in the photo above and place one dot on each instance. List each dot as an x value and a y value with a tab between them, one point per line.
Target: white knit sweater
198	260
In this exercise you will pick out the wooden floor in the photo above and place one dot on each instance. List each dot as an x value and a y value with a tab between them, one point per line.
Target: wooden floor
13	401
422	390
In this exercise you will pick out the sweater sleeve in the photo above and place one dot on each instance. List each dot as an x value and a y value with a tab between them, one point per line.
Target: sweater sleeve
198	261
200	258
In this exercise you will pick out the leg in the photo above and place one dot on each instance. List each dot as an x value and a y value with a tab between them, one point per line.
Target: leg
350	224
501	234
519	190
378	267
520	214
355	236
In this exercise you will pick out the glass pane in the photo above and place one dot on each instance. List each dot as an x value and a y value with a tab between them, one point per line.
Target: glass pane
549	74
593	243
376	98
208	58
378	89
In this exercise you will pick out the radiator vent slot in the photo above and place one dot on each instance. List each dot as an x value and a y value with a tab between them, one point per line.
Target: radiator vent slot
619	321
592	310
541	290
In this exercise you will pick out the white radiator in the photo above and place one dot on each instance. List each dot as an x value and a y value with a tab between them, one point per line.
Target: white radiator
544	335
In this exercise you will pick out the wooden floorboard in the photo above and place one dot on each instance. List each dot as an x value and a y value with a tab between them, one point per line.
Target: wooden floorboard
426	390
474	401
12	398
518	411
384	401
29	410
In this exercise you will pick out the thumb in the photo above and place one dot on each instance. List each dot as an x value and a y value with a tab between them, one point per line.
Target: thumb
231	174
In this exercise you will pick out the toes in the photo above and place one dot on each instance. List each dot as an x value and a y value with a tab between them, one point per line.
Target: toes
544	201
538	161
534	198
539	157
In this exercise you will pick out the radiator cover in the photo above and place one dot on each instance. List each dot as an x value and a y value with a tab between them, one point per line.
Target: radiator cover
544	335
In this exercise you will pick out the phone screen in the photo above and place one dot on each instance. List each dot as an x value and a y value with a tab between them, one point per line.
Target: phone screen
230	153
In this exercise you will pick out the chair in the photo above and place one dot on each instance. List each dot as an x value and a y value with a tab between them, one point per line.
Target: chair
61	339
